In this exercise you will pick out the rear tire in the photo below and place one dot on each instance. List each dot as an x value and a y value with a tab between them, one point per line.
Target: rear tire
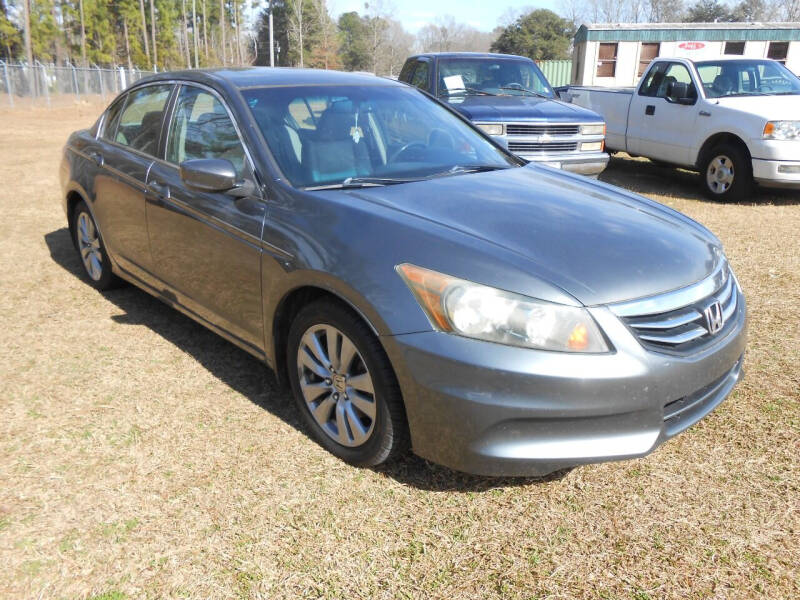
353	410
91	250
726	174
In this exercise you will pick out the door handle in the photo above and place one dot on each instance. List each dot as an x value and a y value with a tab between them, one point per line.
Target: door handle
159	190
705	113
650	109
97	158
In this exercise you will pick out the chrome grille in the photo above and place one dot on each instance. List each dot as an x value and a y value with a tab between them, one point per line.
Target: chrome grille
686	328
515	146
524	129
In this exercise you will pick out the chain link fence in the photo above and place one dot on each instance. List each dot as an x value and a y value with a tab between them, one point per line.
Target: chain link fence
45	80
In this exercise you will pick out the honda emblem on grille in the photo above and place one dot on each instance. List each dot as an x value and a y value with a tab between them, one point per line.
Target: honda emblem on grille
714	318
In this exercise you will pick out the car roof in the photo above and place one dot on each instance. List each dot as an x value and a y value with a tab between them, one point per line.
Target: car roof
247	77
469	55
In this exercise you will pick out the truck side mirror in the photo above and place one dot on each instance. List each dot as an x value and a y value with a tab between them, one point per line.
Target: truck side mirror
678	92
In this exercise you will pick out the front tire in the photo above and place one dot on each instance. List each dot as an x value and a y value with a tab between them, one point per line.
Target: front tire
726	174
92	250
344	385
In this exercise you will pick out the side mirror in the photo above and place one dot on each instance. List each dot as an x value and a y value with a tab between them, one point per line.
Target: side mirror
209	174
678	92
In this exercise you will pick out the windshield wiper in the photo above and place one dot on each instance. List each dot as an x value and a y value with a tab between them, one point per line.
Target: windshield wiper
467	91
360	182
527	91
462	169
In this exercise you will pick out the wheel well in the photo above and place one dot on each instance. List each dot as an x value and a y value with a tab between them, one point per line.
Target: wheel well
73	198
716	140
288	308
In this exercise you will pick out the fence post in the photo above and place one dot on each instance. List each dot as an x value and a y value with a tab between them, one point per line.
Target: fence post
122	84
100	79
8	84
44	82
74	79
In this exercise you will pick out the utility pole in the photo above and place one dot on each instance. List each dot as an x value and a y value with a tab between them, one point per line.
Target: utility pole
271	43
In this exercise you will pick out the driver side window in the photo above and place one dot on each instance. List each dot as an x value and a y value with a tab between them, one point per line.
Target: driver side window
201	128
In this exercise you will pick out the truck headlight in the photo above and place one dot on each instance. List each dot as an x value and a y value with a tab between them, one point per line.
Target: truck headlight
477	311
782	130
599	129
491	128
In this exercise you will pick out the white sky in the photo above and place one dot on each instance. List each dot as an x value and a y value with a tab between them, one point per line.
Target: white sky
414	14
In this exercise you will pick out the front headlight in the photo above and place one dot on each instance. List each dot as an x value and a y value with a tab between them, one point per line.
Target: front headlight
782	130
491	128
485	313
593	129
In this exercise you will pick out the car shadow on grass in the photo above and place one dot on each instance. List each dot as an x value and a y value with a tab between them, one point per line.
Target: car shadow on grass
645	177
251	378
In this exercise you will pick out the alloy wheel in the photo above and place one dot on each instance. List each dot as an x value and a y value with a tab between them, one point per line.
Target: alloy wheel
336	385
720	174
89	246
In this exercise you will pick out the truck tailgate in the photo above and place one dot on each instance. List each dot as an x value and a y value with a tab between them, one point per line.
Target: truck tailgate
611	103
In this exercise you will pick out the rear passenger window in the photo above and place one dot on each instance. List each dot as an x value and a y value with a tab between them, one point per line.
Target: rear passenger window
201	128
112	120
140	124
420	77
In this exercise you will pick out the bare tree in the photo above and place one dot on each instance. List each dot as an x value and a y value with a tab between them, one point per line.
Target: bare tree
222	28
378	14
298	25
26	7
144	32
448	35
153	31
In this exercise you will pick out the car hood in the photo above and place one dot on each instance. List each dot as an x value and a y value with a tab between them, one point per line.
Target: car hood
598	244
521	108
770	108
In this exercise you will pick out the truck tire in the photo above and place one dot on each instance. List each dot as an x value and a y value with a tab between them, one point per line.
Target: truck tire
726	174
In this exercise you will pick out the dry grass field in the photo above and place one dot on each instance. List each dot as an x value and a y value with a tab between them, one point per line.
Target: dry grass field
143	457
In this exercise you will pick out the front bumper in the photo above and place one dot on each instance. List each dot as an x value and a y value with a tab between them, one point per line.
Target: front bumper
490	409
580	163
777	173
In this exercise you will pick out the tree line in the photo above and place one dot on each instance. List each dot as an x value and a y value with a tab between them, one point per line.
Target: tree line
141	33
196	33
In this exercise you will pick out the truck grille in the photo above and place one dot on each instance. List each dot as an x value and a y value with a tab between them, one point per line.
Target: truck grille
524	129
687	328
529	147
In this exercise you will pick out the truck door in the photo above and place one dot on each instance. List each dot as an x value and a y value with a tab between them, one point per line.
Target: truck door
662	115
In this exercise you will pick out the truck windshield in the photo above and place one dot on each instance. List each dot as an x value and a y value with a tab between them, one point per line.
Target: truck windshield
494	76
343	136
746	78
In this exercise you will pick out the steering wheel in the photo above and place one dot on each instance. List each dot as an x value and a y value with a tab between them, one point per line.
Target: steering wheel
418	146
439	138
514	85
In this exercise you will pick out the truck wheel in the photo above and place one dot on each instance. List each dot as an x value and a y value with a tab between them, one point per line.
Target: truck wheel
726	174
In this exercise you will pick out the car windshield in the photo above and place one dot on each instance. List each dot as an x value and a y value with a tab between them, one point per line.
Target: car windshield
326	136
497	76
746	78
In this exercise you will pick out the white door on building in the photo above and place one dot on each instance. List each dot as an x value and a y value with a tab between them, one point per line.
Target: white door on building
661	120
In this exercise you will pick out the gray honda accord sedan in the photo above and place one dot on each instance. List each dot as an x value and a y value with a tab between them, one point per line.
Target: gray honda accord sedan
410	280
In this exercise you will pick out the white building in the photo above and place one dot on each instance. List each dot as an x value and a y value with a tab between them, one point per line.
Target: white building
616	54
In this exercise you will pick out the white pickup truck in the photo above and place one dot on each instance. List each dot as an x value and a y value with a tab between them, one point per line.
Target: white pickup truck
743	127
